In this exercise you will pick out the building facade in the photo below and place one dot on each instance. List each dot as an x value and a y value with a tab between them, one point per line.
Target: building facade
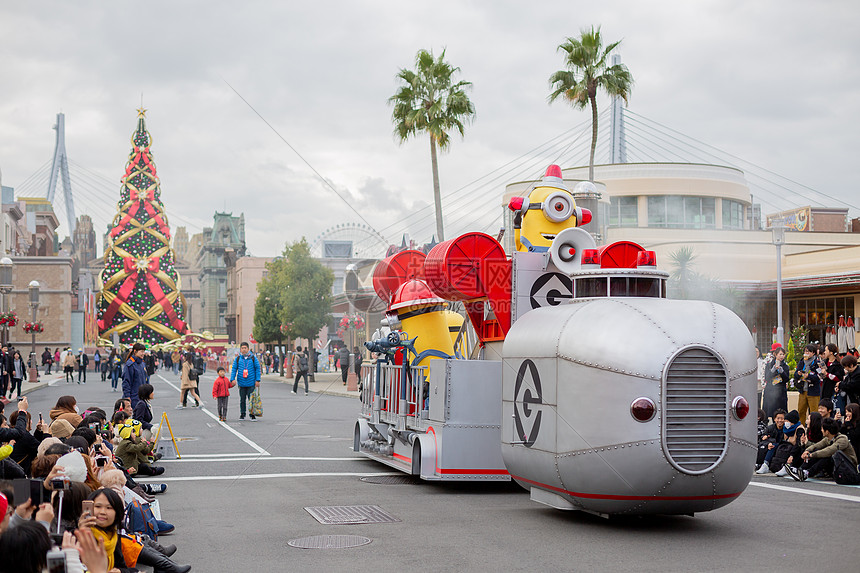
708	209
227	232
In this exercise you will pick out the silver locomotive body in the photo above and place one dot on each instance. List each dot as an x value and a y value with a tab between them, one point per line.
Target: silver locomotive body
575	376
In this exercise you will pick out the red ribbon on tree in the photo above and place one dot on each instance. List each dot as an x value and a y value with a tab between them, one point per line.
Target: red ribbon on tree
141	198
134	267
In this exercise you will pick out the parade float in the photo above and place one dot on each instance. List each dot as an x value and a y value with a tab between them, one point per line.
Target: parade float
574	375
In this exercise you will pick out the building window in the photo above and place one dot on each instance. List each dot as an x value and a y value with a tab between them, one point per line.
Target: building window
623	211
682	212
819	314
733	214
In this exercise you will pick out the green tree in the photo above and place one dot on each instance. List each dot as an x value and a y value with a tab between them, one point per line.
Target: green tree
589	70
682	271
686	283
429	101
302	289
267	319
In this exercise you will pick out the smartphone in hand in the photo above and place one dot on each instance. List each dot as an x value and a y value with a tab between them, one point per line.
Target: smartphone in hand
87	506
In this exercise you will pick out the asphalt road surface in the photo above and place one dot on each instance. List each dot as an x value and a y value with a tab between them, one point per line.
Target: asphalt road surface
239	493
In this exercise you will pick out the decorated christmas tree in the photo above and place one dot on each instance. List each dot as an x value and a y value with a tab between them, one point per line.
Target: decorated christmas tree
140	298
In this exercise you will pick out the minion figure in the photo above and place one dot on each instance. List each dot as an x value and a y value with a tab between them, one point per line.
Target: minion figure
421	315
547	211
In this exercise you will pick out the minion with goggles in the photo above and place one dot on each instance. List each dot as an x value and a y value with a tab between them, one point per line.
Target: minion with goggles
547	211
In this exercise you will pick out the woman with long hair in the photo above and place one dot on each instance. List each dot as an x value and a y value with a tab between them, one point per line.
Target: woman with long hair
114	364
16	373
66	409
104	521
134	374
69	366
188	385
814	433
851	425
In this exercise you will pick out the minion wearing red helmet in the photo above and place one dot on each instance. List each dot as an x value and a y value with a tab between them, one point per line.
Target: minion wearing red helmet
548	210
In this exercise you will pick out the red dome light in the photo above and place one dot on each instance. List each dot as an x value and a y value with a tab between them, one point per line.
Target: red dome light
643	409
740	407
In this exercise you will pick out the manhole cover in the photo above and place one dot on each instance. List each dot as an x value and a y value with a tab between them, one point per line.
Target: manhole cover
329	542
391	480
351	514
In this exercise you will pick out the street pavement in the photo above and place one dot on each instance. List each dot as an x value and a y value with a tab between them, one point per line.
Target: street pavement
237	497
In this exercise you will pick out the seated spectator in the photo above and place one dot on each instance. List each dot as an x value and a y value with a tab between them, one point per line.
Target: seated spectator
72	508
27	445
820	457
133	451
767	448
851	427
45	444
24	548
143	411
813	428
826	409
66	409
123	404
788	452
104	522
61	429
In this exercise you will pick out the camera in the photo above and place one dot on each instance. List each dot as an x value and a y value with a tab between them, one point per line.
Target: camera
101	461
58	484
56	561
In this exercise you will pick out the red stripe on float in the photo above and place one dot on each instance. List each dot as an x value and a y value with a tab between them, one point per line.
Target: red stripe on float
628	497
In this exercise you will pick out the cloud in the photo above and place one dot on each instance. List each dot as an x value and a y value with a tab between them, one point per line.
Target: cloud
773	82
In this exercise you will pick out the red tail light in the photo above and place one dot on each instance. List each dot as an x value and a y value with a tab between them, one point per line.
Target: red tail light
740	407
643	409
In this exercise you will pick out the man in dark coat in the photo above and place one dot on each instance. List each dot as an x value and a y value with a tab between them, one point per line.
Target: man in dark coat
83	361
343	356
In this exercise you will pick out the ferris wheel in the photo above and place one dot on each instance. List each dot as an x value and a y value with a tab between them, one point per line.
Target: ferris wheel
360	241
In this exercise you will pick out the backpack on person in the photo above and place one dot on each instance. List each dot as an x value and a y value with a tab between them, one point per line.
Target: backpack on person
303	363
140	519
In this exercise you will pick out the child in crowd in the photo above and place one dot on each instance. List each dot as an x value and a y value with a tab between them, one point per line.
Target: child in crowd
133	452
221	392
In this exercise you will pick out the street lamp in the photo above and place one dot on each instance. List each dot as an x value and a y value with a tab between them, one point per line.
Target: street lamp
5	288
778	230
34	305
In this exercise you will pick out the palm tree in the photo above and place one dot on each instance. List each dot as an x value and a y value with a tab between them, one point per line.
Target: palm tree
683	273
587	71
428	101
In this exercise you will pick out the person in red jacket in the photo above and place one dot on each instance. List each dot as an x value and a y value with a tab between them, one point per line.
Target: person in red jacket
221	392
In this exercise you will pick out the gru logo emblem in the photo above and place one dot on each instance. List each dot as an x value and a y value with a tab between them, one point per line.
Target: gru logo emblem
527	392
551	289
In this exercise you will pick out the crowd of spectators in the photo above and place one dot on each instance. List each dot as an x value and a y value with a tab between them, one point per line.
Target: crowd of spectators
821	438
68	490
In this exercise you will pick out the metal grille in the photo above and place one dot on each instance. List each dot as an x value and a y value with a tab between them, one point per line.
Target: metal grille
329	542
695	421
351	514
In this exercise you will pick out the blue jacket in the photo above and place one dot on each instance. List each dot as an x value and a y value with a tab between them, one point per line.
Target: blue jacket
240	363
133	377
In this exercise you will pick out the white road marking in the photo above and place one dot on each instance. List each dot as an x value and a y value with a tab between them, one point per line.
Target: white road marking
267	458
160	479
222	424
246	454
827	494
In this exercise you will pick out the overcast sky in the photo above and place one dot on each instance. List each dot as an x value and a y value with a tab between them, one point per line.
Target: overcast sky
774	82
